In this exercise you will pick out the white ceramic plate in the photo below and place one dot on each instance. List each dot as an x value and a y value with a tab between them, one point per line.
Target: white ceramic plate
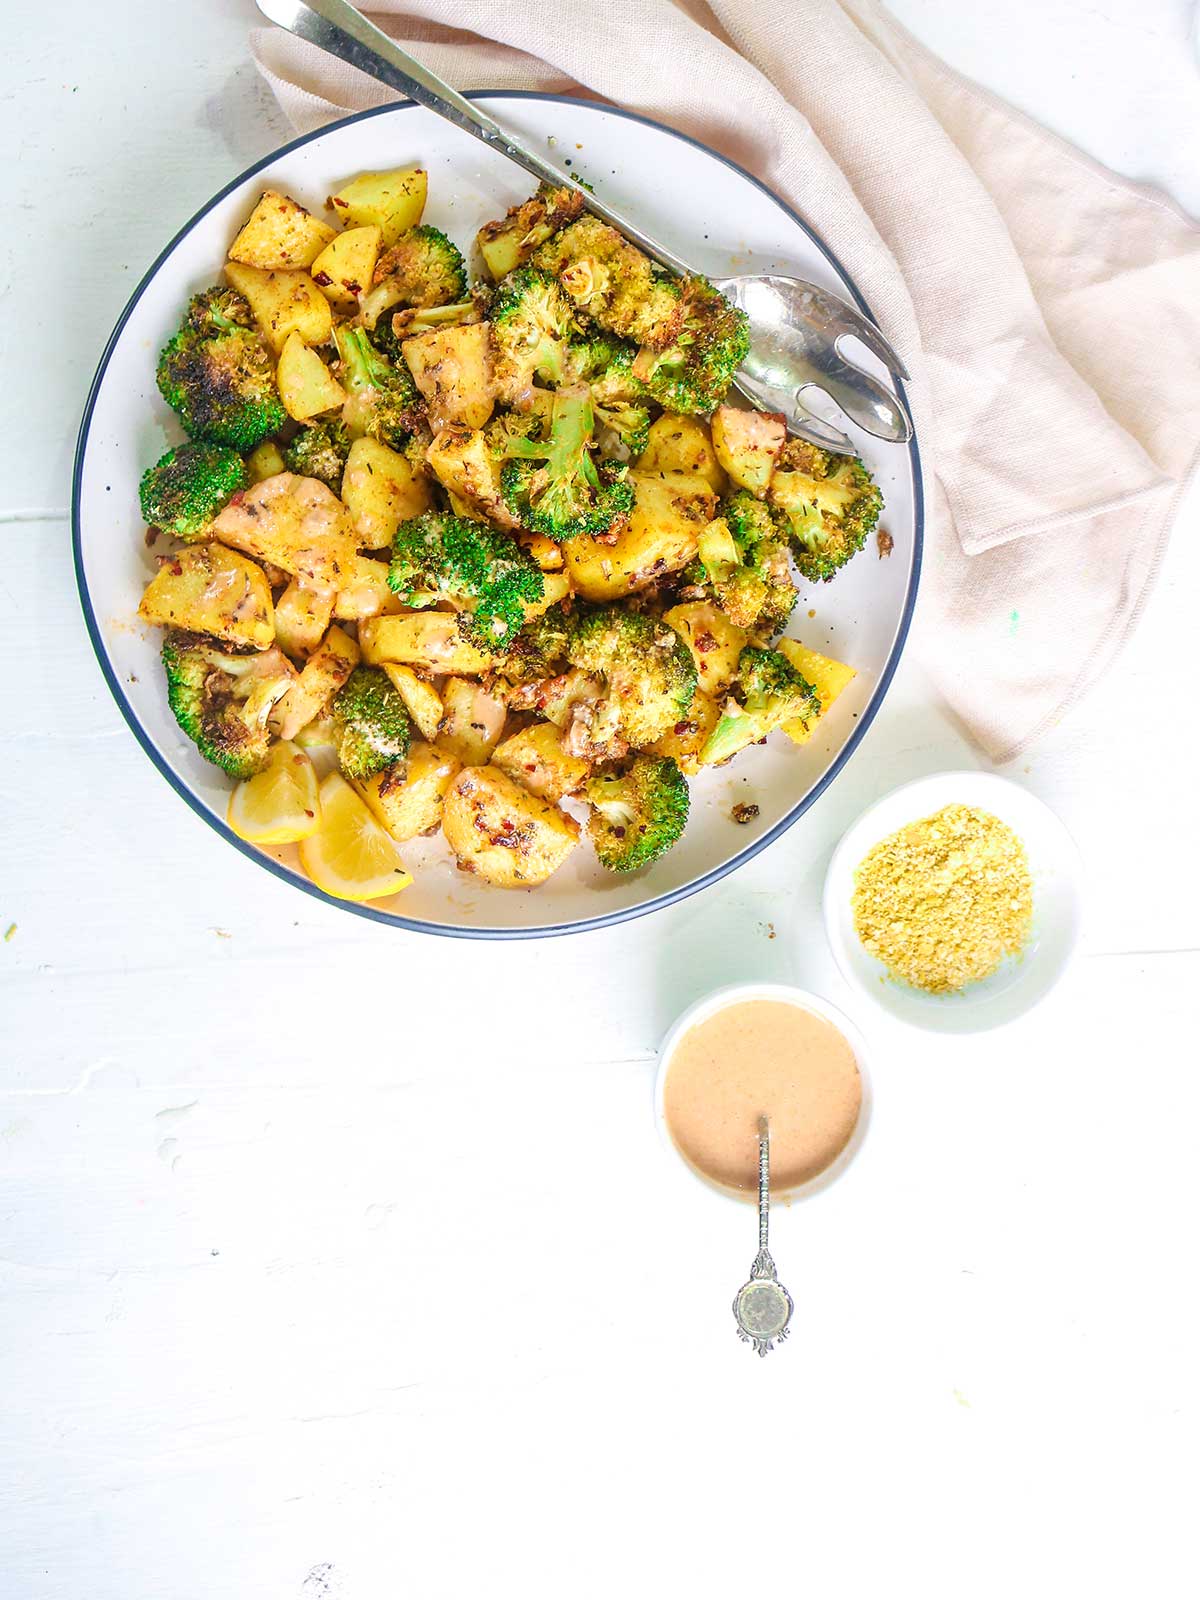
1022	981
710	212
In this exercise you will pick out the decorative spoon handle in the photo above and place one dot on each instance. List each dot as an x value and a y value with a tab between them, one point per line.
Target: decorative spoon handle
762	1306
336	27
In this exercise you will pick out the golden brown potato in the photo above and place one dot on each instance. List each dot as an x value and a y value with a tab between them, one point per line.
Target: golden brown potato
380	490
345	267
423	701
682	444
365	592
322	675
283	303
462	461
428	639
279	233
408	798
748	445
391	201
306	385
264	461
688	737
714	641
547	554
501	831
298	524
662	536
209	589
452	367
472	721
827	676
301	618
536	759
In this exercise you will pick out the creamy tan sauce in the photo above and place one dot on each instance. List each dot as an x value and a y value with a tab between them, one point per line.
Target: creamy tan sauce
762	1058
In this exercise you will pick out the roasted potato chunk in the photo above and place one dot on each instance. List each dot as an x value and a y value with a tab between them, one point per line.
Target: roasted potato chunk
686	740
345	267
472	721
682	444
535	757
422	699
380	490
462	461
662	536
323	674
748	445
391	201
452	367
429	639
828	678
408	797
365	592
209	589
507	835
298	524
306	385
301	617
714	641
278	234
283	303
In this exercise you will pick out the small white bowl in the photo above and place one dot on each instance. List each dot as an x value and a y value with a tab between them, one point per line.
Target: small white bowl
1022	981
733	994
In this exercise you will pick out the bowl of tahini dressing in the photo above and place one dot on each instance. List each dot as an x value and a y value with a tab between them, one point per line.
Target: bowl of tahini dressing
770	1050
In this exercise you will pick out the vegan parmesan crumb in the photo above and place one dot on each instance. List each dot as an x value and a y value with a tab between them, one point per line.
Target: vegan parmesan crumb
944	900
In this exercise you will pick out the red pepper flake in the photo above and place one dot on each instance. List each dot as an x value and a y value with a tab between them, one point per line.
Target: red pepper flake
705	642
309	813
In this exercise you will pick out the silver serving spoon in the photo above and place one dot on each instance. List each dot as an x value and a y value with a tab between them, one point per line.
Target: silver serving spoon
762	1306
796	328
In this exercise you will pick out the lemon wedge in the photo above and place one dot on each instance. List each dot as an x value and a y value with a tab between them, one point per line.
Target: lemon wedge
350	855
278	805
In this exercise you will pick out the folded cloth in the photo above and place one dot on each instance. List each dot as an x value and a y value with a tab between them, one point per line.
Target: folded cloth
1048	310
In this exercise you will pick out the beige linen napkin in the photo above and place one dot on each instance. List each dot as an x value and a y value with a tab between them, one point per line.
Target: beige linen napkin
1048	310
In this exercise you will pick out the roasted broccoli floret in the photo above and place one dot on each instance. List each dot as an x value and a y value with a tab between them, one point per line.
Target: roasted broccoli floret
830	503
218	375
512	240
423	268
622	416
694	371
555	486
750	575
183	492
539	649
319	450
222	701
638	814
480	569
767	692
371	723
532	320
382	400
648	672
614	283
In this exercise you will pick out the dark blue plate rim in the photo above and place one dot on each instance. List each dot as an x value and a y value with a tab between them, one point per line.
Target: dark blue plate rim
366	909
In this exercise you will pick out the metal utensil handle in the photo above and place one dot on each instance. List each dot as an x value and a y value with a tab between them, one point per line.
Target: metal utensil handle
764	1183
336	27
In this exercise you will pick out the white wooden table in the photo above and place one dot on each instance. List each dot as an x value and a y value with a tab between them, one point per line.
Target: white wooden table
305	1292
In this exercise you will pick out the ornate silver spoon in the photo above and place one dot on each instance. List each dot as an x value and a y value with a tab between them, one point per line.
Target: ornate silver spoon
762	1306
796	328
